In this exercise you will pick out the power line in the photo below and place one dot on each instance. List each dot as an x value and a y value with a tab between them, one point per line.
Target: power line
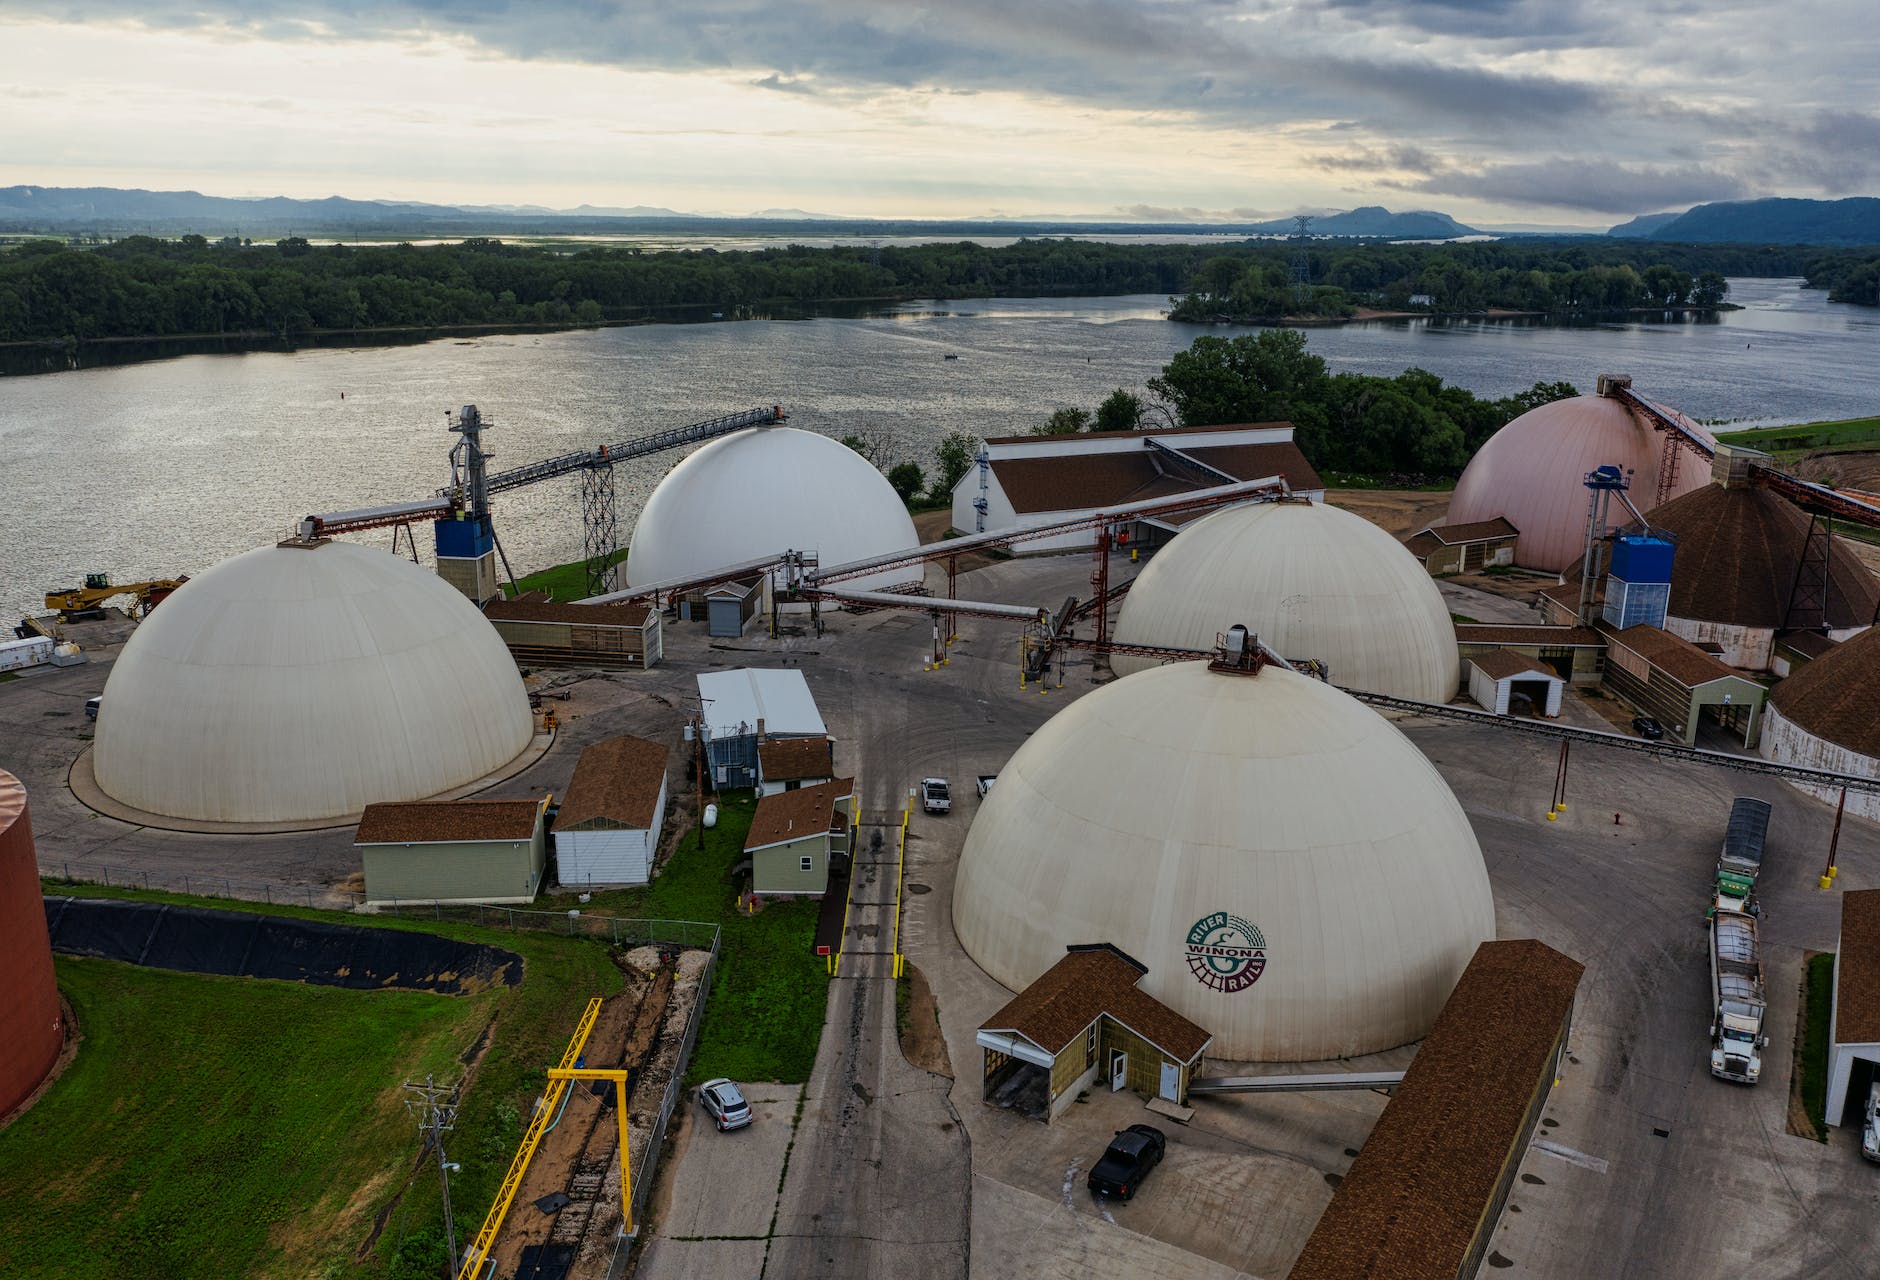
435	1105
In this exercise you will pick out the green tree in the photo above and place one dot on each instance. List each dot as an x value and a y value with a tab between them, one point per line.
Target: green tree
869	446
1710	290
1064	422
906	480
954	458
1120	411
1250	378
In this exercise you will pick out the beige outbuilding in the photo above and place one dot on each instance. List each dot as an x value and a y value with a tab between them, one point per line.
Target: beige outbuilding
1292	872
299	682
1314	582
447	851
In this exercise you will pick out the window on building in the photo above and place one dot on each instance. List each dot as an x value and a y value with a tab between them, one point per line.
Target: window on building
807	863
1090	1044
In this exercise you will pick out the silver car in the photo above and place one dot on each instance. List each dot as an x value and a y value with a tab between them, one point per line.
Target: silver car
724	1104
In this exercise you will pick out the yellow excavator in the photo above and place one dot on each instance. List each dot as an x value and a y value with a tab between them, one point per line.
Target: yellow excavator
75	604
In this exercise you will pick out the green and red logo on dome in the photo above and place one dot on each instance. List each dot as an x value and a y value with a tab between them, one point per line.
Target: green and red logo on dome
1225	952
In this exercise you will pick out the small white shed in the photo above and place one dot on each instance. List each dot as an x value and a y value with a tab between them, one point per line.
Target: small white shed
607	831
1497	676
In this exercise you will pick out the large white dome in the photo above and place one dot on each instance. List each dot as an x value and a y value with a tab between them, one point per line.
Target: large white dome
766	490
1192	817
289	684
1313	582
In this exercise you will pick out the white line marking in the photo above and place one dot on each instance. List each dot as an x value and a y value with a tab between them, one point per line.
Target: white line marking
1571	1156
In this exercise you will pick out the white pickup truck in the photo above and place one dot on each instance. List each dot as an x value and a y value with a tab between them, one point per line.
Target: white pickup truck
935	795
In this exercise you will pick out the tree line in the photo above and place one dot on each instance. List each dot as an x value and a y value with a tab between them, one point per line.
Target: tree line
146	287
1852	276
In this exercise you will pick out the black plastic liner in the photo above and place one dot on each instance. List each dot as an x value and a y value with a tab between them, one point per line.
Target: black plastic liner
246	945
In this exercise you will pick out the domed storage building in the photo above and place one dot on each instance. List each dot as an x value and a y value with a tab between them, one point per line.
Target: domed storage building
293	683
1827	716
1296	877
767	490
1739	550
31	1031
1532	473
1314	582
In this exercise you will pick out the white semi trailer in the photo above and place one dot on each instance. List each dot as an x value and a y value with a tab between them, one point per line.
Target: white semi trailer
1738	1006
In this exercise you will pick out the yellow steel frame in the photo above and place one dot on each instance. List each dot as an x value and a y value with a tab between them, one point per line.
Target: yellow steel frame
479	1251
619	1077
900	874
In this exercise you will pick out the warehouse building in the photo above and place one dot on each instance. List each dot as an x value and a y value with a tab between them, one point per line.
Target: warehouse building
32	1027
1082	1021
1532	473
789	764
794	837
453	851
1827	716
1422	1199
306	681
1313	582
607	829
1501	680
1025	481
1203	817
1680	685
1464	548
1576	653
1794	650
747	706
1854	1026
541	632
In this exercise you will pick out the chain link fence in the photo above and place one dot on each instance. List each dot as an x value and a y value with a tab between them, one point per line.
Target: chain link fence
329	897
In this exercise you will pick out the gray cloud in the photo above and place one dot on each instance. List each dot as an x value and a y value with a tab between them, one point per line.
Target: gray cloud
1591	185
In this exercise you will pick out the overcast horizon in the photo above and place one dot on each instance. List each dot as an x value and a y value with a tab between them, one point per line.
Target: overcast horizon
1563	114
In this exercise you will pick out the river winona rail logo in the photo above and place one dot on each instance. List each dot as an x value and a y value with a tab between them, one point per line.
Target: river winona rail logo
1226	952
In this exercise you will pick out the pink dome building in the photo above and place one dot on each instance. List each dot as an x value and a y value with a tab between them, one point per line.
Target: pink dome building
1531	472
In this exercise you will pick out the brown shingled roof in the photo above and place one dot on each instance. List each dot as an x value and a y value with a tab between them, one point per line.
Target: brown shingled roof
1076	481
525	609
790	759
792	815
1499	664
1738	551
1837	696
1413	1200
1491	633
617	779
1857	969
1089	982
1473	531
1421	544
447	821
1158	431
1673	655
1810	644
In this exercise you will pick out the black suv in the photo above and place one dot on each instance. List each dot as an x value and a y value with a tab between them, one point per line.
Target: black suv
1646	727
1131	1154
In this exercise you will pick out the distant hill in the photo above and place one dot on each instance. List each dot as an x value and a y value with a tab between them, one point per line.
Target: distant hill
1855	220
1644	224
1375	221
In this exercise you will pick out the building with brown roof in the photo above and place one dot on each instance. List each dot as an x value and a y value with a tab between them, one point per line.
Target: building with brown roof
1577	653
453	851
1025	481
1423	1197
1827	716
790	764
542	632
1498	676
1464	548
1854	1030
795	834
1680	685
607	829
1745	569
1083	1018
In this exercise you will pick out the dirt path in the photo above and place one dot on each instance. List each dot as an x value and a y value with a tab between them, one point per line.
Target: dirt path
1398	512
921	1043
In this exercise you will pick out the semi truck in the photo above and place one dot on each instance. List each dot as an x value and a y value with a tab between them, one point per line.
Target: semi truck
1741	859
1738	1006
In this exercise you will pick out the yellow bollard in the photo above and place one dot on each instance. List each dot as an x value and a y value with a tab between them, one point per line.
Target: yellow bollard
1826	881
1551	815
1833	872
1562	806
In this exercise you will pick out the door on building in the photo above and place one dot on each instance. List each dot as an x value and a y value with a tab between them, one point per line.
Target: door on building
1171	1081
1119	1071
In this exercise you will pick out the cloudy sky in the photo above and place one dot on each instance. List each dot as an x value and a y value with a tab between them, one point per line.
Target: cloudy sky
1549	111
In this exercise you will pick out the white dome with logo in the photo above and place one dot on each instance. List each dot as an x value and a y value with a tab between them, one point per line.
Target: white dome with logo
1298	879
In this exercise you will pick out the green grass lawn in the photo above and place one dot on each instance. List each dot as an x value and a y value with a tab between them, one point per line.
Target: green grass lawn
564	581
1789	443
235	1127
1817	1008
765	1014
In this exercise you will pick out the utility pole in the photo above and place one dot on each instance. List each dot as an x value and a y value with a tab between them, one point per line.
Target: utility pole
435	1105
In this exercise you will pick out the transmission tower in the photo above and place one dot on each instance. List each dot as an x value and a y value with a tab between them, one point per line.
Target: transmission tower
435	1106
1302	261
598	523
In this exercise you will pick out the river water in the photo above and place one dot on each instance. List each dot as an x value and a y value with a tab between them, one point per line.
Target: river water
161	468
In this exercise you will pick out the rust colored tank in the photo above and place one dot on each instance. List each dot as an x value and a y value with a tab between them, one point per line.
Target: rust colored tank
30	1030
